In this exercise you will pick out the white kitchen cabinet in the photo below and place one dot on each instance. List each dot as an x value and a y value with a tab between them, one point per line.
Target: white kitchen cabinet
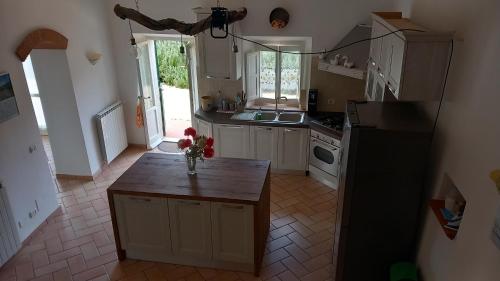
190	229
376	44
375	85
293	148
370	81
232	232
217	59
264	144
143	223
412	64
231	141
203	127
397	47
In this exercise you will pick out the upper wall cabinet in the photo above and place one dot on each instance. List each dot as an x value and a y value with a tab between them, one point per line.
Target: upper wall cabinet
216	56
410	59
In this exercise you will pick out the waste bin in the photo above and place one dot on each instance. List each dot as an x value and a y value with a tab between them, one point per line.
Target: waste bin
404	271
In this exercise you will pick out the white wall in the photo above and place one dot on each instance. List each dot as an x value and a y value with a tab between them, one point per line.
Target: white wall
84	23
467	145
26	177
95	85
326	21
61	112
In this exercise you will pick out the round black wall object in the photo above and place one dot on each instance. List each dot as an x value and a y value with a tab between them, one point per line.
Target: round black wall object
279	18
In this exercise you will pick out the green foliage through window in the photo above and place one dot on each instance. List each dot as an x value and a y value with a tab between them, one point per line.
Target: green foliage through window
171	64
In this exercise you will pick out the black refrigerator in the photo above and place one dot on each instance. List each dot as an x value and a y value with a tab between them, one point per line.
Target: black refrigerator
383	161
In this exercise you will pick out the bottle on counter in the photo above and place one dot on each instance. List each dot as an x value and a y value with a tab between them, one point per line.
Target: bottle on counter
219	99
258	116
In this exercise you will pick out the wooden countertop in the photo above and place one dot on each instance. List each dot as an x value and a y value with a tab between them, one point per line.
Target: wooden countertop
218	179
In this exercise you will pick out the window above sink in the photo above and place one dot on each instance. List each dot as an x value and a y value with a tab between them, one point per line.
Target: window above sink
270	75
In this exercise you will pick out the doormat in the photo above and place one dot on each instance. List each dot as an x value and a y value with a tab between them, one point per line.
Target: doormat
169	147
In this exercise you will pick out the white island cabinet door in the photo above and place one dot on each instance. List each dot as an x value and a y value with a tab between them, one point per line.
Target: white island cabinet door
203	127
231	141
264	144
232	232
144	226
191	229
293	148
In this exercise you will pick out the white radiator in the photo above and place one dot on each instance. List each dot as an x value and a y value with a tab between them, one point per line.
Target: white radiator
112	133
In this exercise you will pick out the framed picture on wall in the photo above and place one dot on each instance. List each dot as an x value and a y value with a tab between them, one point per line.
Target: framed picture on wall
8	104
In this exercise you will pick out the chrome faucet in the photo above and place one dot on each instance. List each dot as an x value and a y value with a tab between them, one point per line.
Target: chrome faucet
277	101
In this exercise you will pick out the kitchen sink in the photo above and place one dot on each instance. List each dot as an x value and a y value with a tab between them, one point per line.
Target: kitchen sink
267	116
284	117
293	117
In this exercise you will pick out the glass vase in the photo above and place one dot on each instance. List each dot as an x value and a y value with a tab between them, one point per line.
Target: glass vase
191	165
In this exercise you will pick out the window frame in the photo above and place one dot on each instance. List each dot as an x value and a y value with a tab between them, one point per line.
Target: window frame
283	45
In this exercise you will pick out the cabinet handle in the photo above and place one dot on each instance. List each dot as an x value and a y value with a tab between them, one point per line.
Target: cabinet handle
232	127
290	130
190	203
140	199
390	87
233	207
215	77
264	128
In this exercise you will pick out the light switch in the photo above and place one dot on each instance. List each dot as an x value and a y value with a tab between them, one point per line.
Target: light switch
32	148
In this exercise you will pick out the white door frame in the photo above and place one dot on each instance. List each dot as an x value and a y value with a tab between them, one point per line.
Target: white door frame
153	119
191	61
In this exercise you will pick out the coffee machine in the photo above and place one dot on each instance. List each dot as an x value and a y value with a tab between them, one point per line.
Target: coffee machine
312	102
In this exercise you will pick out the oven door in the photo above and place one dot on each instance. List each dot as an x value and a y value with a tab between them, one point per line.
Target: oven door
324	156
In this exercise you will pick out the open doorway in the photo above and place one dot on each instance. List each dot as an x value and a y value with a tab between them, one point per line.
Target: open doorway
39	114
173	75
165	66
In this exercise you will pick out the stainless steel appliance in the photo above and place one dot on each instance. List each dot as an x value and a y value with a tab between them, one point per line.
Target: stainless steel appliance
323	159
331	120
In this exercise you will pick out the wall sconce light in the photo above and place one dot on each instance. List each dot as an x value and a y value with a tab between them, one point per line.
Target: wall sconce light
93	57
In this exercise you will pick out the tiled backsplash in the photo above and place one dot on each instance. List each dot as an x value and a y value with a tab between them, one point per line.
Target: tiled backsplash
334	87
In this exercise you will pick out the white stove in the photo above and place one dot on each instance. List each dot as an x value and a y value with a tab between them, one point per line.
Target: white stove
323	158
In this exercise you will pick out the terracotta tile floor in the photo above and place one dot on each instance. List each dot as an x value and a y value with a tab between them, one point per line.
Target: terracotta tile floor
76	242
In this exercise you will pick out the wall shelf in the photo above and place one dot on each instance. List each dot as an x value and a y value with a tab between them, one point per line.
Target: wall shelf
436	206
341	70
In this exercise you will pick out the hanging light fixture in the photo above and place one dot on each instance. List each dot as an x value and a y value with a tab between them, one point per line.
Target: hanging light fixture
235	47
182	50
134	52
220	18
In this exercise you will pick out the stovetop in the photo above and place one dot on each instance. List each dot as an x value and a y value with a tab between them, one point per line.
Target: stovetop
330	120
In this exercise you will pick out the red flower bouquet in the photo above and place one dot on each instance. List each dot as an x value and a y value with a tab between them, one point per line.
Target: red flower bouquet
195	147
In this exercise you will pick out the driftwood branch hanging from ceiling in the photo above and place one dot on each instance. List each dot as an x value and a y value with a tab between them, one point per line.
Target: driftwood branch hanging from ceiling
179	26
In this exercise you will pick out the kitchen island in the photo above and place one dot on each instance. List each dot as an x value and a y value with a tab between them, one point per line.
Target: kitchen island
218	218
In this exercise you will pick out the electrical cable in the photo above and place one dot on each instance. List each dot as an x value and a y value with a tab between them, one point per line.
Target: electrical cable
360	41
323	52
444	90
